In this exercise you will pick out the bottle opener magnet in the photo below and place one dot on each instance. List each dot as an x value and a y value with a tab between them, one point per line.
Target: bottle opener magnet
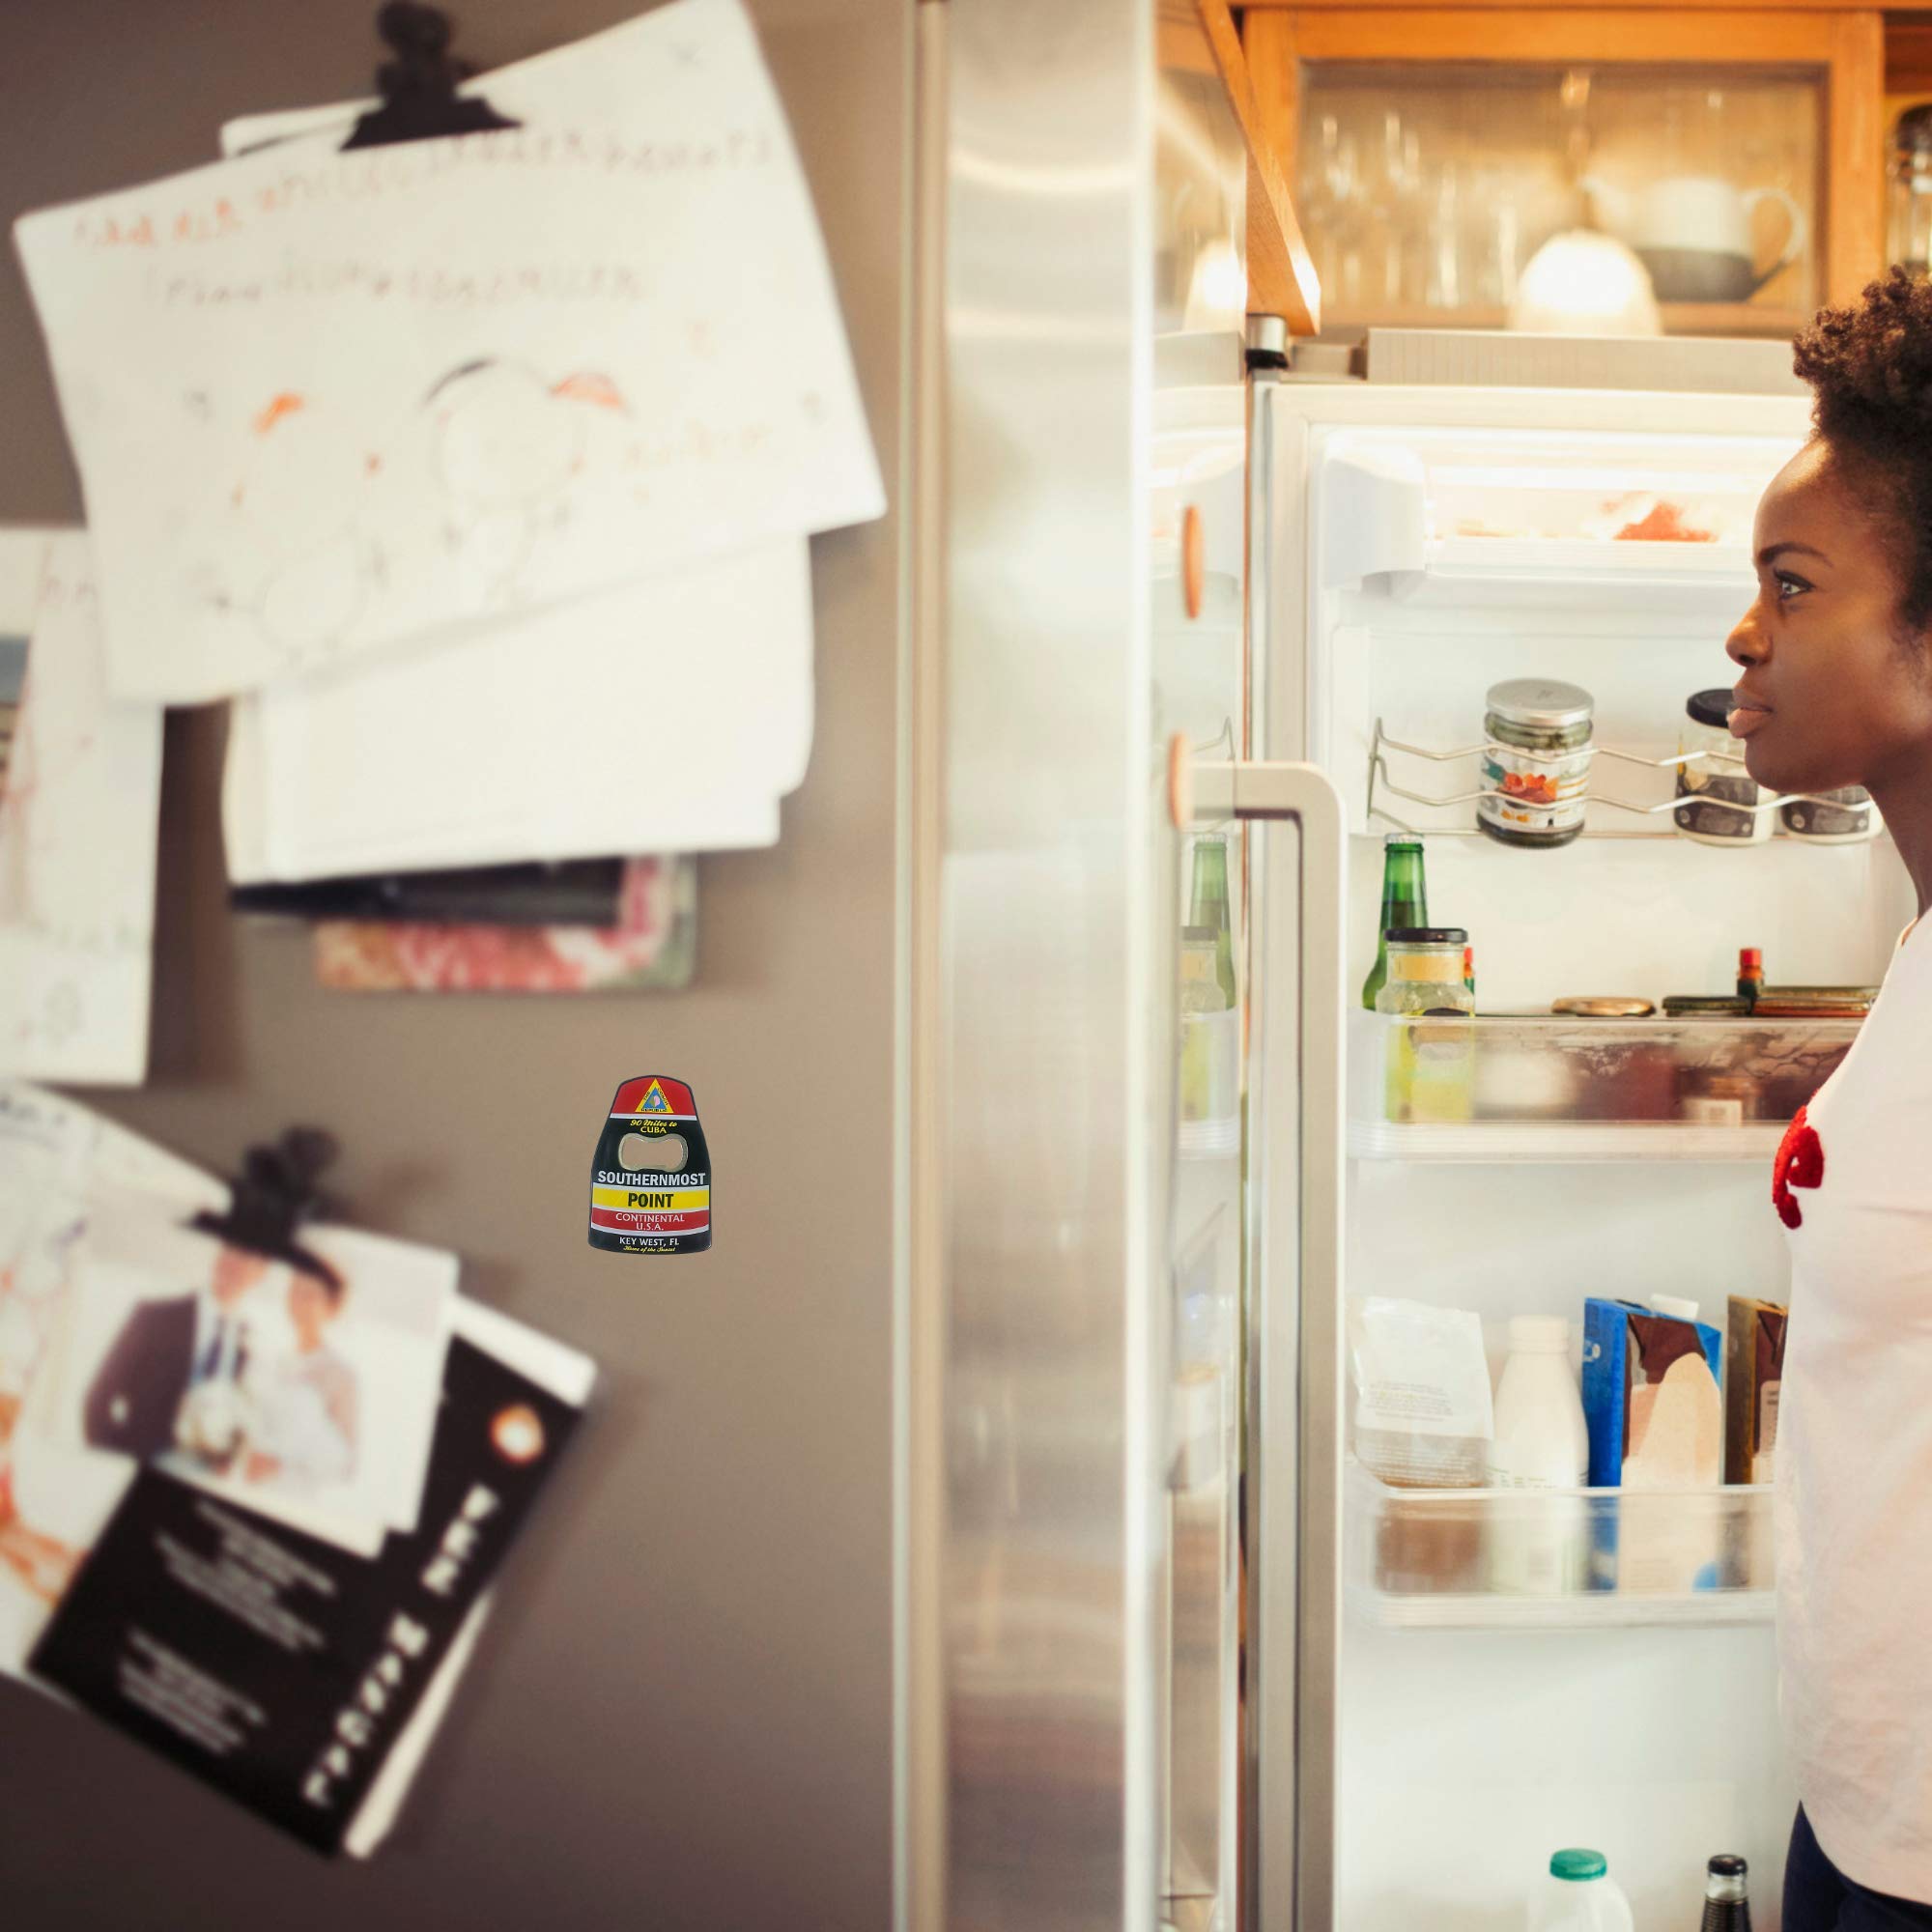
650	1181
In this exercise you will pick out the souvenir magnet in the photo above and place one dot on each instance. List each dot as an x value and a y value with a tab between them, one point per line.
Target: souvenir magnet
650	1182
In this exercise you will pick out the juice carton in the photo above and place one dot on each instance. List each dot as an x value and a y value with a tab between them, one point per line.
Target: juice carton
1754	1374
1753	1378
1656	1420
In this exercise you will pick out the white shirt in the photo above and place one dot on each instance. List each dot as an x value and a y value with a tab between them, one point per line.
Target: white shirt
208	1314
1853	1464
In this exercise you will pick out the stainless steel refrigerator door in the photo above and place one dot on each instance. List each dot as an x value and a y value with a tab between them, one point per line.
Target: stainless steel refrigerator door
1292	1460
1048	1124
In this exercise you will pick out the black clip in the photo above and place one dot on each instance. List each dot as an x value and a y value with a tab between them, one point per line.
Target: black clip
272	1195
418	87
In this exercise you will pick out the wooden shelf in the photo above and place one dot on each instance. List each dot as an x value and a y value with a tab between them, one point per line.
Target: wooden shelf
1579	7
1750	319
1844	45
1281	273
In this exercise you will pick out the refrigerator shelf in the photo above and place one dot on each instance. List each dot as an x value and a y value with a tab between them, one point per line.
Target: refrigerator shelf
1656	814
1505	1141
1458	572
1556	1087
1556	1559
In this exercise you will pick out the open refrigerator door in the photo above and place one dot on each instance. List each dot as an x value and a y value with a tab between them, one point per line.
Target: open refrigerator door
1411	550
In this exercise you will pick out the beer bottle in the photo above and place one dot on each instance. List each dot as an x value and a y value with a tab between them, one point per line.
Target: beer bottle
1726	1908
1209	907
1404	902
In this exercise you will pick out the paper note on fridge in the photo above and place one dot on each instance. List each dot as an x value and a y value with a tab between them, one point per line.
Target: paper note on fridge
669	716
80	791
325	402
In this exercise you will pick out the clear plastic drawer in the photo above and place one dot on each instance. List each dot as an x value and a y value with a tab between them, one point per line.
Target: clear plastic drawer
1539	1086
1556	1558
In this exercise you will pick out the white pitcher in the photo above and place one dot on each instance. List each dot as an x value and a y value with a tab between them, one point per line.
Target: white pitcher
1694	234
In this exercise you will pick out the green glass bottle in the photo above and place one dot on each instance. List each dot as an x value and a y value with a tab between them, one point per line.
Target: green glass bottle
1209	907
1404	902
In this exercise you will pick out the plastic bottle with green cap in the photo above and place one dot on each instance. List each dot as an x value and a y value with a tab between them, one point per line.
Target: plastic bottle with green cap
1580	1895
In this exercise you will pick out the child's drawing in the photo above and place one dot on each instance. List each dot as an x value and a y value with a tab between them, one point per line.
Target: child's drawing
77	824
305	560
508	445
424	305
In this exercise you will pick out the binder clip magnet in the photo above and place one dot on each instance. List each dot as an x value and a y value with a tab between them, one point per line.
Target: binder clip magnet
650	1180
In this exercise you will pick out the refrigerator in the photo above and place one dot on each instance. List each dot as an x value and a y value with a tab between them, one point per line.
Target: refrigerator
1163	1670
1176	1677
1435	1733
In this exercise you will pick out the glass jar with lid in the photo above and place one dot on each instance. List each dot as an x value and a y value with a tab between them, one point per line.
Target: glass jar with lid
1720	796
1908	191
1844	818
1210	1050
1536	765
1425	970
1431	1053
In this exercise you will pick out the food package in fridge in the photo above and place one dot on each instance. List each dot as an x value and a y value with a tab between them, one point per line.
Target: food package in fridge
1629	1349
1753	1373
1651	1400
1423	1410
1753	1377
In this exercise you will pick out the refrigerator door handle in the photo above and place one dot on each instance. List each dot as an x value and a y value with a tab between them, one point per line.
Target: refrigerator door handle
1292	1455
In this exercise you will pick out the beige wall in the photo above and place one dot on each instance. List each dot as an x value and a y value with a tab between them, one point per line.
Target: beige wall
681	1713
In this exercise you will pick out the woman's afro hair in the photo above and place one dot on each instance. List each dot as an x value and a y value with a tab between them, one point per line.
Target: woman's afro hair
1871	370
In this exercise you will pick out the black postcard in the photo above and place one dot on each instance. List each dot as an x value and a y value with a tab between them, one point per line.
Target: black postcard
281	1668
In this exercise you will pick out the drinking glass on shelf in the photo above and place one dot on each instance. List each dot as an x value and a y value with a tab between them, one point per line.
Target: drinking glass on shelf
1446	283
1335	219
1398	215
1496	238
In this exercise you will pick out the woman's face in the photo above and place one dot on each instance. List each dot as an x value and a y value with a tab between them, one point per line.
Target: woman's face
310	1308
1830	695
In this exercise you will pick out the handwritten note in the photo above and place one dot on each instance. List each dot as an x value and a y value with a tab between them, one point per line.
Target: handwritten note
668	717
79	802
327	403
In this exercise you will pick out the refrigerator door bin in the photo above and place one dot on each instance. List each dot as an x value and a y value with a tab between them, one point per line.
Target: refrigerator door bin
1556	1559
1537	1086
1469	517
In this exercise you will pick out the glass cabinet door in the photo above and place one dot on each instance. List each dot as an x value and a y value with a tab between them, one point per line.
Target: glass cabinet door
1432	193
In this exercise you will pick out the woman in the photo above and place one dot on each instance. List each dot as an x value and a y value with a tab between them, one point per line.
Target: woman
1835	689
307	1403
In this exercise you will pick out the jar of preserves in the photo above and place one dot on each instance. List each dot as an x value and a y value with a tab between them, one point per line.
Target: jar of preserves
1536	765
1425	970
1712	1096
1720	798
1430	1061
1210	1050
1832	817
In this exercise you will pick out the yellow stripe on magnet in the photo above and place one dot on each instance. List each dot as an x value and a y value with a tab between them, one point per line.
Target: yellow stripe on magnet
651	1200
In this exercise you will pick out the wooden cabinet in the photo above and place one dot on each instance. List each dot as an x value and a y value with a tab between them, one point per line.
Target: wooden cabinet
1198	40
1739	151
